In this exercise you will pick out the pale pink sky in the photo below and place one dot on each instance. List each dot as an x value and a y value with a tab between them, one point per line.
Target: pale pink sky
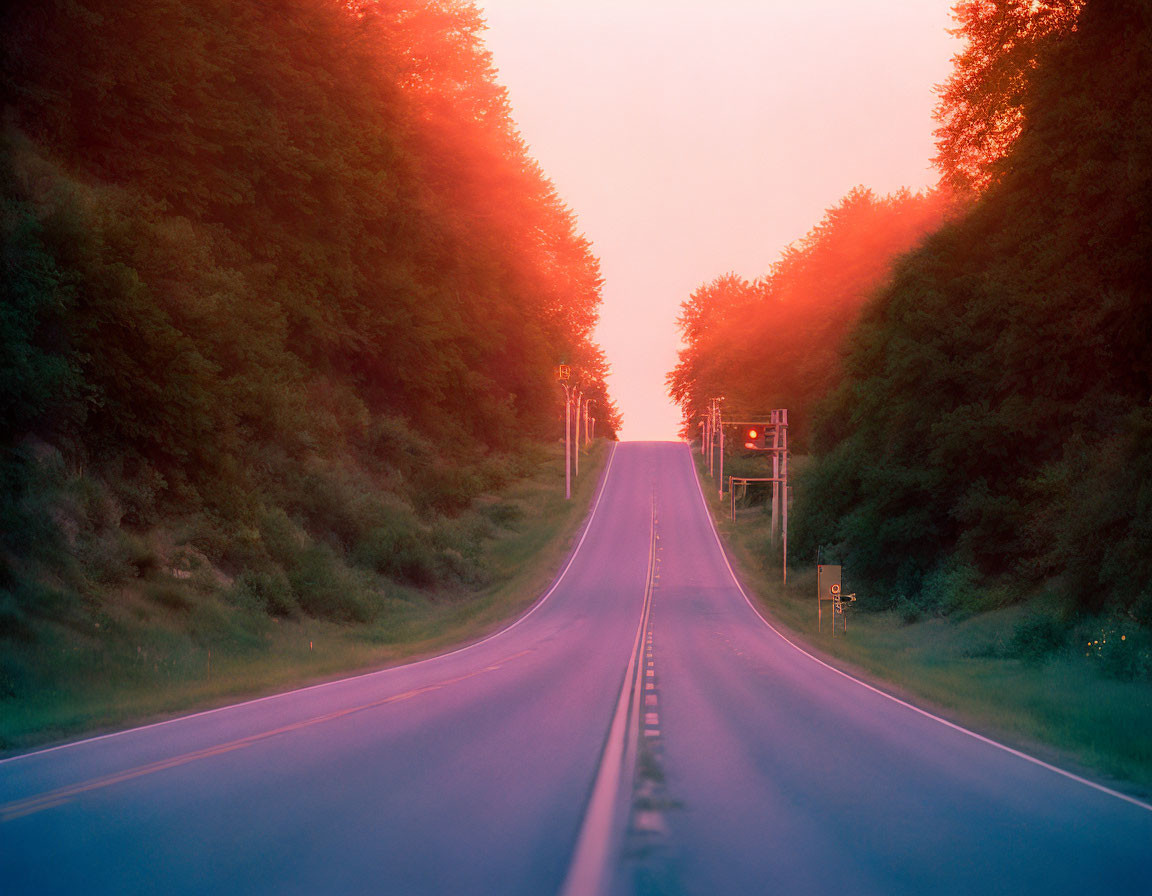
696	138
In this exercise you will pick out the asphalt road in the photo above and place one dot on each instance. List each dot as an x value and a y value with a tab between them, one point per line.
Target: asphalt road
498	768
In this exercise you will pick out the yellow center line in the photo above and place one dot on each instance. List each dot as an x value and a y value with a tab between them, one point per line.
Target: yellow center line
589	866
29	805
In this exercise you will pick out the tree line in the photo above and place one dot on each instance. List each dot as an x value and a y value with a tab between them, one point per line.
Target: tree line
776	341
985	432
268	263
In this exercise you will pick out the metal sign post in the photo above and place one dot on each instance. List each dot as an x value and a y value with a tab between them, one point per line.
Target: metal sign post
827	589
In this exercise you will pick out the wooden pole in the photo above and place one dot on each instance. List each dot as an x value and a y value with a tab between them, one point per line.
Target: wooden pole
786	488
775	476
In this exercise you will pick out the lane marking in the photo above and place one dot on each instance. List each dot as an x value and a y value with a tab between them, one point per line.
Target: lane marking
588	871
50	799
601	490
960	728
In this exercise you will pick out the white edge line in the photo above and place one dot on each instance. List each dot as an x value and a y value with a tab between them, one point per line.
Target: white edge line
980	737
601	488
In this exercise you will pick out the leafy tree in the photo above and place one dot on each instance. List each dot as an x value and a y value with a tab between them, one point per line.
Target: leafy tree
990	424
777	342
248	247
981	108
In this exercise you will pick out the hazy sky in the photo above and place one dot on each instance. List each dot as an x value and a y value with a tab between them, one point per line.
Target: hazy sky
696	138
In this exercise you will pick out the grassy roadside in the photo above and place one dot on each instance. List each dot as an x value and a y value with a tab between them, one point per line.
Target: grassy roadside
976	670
168	659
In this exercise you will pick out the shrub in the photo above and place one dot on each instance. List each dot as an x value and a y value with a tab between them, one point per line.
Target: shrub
397	547
171	595
1038	638
326	589
1120	647
267	592
503	513
446	488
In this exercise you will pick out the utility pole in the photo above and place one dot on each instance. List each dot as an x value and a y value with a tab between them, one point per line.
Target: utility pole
775	476
755	438
721	482
716	435
711	433
562	374
787	488
576	441
567	445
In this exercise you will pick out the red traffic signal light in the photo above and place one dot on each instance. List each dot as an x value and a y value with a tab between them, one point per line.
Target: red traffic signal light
754	438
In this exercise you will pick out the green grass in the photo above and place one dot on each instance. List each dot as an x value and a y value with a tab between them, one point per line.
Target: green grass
979	671
173	645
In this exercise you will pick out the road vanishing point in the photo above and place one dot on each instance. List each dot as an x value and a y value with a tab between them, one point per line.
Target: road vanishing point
641	729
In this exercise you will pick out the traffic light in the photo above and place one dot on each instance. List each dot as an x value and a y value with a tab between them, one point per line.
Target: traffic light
755	438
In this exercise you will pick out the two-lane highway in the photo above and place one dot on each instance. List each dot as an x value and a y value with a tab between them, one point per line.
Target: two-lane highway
783	775
762	770
466	773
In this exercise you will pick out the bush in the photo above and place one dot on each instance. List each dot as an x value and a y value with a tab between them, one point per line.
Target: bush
267	592
950	587
908	611
326	589
170	595
503	513
138	555
1038	638
1121	648
445	488
398	547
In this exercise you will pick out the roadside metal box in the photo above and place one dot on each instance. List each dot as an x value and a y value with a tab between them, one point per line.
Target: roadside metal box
827	582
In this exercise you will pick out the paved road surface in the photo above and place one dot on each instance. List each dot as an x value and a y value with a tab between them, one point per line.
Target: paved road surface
787	777
760	770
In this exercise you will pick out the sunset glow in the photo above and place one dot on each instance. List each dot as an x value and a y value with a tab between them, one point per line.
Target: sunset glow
696	138
470	446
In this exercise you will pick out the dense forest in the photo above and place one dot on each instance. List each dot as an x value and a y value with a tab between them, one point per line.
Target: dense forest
987	432
776	342
283	291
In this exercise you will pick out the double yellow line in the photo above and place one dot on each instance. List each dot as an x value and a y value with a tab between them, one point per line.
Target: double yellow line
591	860
52	798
